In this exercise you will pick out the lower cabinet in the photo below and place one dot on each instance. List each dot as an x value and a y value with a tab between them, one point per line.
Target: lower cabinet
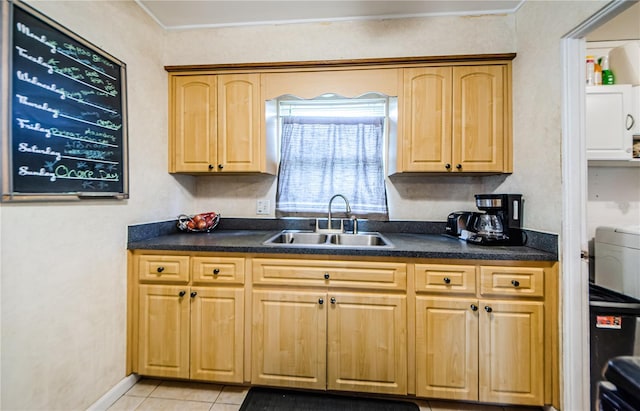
466	332
191	332
336	340
469	347
480	350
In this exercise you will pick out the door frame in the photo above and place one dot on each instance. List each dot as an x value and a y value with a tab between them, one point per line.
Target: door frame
574	302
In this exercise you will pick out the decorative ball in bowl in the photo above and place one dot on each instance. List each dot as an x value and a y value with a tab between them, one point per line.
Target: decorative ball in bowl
198	223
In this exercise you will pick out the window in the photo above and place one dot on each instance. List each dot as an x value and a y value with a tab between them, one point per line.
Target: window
332	146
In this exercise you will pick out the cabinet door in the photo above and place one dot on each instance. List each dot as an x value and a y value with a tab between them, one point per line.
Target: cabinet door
217	330
163	340
511	352
479	118
426	140
289	339
609	122
447	348
193	123
239	119
367	345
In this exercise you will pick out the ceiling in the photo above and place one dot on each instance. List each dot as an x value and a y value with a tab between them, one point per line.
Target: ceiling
188	14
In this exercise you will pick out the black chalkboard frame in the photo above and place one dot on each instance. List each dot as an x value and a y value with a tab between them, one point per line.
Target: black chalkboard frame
111	185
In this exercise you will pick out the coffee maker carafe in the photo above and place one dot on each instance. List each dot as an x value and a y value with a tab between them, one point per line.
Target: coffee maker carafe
501	222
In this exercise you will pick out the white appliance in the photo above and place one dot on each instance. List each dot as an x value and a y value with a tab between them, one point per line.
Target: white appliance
617	259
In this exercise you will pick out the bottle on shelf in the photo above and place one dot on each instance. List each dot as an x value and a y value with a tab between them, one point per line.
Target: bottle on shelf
607	74
591	80
597	73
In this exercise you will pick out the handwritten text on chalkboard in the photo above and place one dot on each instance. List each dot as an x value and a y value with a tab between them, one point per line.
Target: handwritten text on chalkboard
68	112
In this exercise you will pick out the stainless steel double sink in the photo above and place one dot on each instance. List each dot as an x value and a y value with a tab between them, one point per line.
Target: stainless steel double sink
319	239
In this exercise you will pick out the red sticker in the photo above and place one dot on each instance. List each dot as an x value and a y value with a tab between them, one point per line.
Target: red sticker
609	321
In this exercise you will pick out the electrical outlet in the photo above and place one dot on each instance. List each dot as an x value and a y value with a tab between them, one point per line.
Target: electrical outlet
262	207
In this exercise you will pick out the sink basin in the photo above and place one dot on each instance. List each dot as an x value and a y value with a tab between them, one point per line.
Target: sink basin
298	237
360	240
313	239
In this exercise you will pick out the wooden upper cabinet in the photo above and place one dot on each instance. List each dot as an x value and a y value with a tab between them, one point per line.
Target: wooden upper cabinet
426	114
479	118
239	119
215	124
193	123
454	119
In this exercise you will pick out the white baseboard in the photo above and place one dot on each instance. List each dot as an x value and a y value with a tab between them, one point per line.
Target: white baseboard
114	393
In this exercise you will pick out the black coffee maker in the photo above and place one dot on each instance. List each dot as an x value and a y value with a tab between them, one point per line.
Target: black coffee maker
501	222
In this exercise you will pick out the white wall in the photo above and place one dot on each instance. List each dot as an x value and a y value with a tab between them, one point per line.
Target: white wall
534	33
613	197
410	198
63	265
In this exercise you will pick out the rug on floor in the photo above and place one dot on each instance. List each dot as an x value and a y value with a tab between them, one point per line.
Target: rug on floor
267	399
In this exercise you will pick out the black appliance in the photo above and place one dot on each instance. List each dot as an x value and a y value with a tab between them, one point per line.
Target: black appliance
613	317
501	222
459	222
621	390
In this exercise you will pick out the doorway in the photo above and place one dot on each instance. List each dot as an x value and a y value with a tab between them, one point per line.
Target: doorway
574	241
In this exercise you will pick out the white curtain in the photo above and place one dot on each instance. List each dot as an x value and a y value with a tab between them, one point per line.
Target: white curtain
324	156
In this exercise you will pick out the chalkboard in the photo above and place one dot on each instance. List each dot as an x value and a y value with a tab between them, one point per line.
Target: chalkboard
68	113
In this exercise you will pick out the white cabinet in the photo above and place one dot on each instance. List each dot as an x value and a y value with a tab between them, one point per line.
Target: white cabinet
610	122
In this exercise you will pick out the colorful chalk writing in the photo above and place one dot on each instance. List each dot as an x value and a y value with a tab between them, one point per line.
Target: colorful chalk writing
68	111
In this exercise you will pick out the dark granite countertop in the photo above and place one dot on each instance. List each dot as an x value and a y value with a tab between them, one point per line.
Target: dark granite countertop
248	236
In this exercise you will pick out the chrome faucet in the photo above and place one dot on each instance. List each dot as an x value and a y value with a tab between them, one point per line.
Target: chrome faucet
348	209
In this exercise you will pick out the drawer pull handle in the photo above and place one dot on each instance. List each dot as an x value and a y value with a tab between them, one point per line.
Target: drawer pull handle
182	293
447	166
488	309
320	301
216	271
210	166
326	276
193	294
474	307
333	300
160	269
459	166
447	280
515	283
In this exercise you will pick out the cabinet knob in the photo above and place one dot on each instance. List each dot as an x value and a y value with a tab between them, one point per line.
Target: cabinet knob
182	293
447	166
333	300
320	301
459	166
488	309
216	271
515	283
474	307
193	294
220	166
447	280
160	269
210	166
326	276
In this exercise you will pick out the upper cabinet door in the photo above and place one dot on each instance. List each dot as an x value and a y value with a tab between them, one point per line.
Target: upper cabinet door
426	144
480	120
193	124
239	118
609	122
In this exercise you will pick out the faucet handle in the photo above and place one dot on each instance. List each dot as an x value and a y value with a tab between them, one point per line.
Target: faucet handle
354	221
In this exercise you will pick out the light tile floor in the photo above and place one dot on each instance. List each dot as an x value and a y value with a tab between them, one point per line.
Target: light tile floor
160	395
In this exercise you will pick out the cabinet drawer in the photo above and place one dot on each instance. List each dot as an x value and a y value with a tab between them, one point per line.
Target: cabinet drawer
370	275
460	279
163	268
218	270
515	281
